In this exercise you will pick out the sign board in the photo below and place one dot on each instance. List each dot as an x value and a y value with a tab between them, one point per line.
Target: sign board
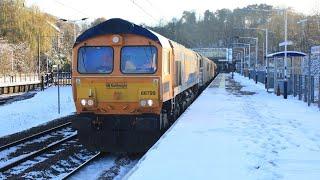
285	43
215	53
223	60
229	54
315	50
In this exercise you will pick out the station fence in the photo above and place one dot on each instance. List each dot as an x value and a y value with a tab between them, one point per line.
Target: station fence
26	82
56	78
304	86
18	78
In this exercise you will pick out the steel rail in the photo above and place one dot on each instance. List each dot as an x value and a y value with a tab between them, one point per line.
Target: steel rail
20	141
82	165
36	153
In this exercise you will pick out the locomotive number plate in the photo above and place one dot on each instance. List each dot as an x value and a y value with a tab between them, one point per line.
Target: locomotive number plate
150	93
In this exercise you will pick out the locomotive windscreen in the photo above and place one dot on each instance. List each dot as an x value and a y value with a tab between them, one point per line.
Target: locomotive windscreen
139	59
95	60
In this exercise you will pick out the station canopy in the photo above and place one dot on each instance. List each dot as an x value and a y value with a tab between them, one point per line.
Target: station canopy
289	54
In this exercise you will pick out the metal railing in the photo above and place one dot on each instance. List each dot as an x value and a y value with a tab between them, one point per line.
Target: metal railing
19	78
27	82
63	78
303	87
307	88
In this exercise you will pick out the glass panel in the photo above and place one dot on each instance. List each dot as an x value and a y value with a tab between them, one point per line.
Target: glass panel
97	60
166	62
139	59
178	73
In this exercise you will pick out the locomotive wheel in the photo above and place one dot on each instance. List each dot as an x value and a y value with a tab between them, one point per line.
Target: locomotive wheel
164	121
184	106
176	112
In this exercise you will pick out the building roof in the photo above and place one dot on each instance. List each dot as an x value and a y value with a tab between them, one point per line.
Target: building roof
289	54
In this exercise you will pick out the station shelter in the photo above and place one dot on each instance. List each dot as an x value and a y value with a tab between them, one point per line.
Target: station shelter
276	69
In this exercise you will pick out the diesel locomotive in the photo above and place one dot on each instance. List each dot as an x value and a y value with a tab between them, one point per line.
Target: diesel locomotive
130	84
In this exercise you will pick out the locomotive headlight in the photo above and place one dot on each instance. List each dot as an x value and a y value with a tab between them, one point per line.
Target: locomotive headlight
150	102
143	103
90	102
83	102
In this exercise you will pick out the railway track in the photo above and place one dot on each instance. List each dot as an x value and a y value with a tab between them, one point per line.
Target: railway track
53	153
36	153
81	166
55	149
17	152
42	133
60	160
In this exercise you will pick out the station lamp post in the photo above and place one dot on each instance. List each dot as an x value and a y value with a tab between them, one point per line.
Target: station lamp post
285	12
54	27
74	26
266	53
243	57
306	39
285	43
256	63
249	50
285	83
303	22
238	57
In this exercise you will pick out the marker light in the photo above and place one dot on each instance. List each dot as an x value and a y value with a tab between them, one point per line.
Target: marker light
143	103
83	102
90	102
78	81
115	39
150	102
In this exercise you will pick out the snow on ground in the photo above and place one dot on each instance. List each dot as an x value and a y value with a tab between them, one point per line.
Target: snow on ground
95	169
43	107
106	168
3	84
227	134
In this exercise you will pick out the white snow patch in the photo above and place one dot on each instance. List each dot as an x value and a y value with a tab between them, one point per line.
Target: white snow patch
227	136
43	107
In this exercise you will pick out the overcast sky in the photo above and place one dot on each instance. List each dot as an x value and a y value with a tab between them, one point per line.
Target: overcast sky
151	11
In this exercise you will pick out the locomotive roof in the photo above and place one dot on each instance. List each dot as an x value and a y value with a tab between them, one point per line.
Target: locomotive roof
120	26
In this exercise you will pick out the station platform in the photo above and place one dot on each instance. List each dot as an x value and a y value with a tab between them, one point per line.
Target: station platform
236	130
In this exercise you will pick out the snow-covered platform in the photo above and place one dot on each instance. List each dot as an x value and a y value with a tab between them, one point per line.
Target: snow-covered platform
236	130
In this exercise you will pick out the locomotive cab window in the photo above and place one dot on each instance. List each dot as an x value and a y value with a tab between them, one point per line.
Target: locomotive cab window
138	60
201	62
95	60
178	73
166	62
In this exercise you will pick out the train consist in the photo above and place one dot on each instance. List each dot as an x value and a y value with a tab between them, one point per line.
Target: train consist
130	84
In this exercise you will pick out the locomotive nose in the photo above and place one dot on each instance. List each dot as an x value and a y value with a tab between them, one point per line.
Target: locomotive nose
116	96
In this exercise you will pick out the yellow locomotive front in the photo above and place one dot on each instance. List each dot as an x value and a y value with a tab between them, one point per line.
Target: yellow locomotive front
116	87
116	79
